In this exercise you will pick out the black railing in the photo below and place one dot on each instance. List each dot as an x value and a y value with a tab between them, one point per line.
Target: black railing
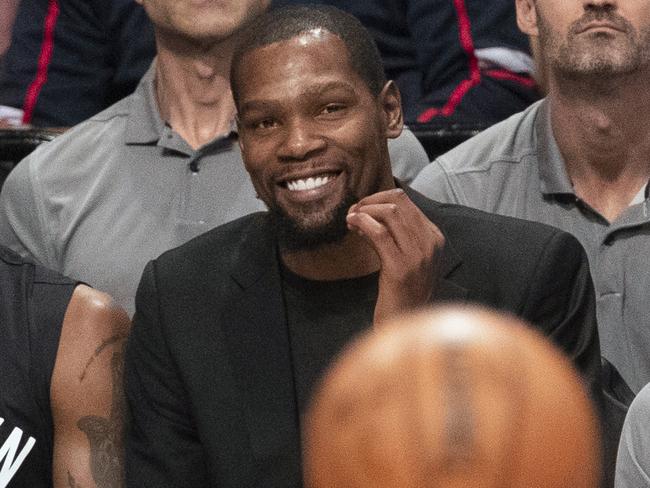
17	143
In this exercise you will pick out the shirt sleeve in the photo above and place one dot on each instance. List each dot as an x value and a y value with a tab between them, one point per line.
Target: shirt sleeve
162	444
23	222
433	182
407	156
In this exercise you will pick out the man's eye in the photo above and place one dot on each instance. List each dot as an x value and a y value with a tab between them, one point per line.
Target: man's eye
333	107
264	124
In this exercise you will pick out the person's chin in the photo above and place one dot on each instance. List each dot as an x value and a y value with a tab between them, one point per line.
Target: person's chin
297	233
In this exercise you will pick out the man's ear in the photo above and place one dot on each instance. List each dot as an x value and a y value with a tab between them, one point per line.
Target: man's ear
391	104
527	17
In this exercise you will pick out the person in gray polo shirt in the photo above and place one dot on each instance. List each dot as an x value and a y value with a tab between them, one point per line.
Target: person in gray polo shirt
154	170
578	160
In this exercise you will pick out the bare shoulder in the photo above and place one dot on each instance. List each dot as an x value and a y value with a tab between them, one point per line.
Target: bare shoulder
95	313
93	327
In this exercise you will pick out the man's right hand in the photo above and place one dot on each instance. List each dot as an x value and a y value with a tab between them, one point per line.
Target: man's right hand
408	245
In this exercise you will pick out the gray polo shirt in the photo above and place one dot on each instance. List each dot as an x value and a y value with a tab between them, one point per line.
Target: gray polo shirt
117	190
633	462
515	168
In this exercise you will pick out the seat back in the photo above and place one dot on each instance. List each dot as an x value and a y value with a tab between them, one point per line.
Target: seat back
16	143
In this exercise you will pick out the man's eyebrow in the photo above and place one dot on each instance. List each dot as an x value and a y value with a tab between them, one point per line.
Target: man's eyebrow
320	88
258	105
314	90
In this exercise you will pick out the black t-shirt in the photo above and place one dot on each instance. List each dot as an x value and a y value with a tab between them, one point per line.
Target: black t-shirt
323	316
33	302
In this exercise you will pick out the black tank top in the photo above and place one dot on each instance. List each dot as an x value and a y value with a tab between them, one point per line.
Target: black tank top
33	301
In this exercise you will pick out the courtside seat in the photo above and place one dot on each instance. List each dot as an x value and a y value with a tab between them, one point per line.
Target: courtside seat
438	139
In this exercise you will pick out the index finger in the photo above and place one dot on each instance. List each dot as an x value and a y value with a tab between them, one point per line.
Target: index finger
387	196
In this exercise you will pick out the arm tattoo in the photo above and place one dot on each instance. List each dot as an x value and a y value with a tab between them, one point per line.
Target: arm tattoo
71	481
108	342
105	434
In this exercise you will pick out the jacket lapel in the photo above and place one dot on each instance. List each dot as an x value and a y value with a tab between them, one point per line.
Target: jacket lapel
256	331
450	261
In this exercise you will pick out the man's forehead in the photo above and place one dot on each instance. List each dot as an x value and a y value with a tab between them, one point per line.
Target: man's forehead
316	50
317	36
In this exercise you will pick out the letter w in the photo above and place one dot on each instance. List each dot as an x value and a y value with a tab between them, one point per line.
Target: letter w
9	463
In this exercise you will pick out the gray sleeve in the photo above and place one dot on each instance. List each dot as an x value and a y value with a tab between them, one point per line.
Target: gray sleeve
633	462
407	156
434	183
22	220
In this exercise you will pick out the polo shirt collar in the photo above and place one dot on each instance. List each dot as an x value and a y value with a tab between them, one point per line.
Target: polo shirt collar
553	175
144	125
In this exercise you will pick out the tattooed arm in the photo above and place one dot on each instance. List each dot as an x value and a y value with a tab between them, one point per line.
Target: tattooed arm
86	393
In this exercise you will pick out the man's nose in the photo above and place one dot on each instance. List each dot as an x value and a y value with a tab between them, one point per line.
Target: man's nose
302	139
600	5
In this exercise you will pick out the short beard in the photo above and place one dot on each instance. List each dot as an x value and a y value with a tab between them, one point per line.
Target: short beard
294	237
573	61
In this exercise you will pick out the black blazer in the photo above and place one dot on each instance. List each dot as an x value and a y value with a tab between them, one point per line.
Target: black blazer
208	373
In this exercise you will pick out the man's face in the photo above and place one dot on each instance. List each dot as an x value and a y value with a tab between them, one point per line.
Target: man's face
202	20
313	136
601	37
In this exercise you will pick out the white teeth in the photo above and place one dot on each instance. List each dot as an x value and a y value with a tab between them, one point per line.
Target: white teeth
307	184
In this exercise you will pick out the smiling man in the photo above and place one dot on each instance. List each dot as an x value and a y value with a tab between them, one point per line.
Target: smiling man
233	329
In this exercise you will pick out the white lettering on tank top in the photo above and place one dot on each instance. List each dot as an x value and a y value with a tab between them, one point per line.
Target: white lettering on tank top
10	457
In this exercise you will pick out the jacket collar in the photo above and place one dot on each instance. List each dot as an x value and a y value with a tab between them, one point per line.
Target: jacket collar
259	248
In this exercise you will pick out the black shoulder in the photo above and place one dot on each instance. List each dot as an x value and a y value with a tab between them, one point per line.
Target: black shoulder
459	220
489	241
9	257
39	274
508	237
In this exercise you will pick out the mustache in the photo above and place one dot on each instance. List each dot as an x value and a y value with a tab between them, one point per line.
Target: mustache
601	15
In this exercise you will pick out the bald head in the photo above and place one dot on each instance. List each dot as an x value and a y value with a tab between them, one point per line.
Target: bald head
451	398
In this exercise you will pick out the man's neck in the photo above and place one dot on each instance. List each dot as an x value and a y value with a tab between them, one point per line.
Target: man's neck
351	258
602	131
193	90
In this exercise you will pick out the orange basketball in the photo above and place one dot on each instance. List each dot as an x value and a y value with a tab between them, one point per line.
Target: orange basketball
452	397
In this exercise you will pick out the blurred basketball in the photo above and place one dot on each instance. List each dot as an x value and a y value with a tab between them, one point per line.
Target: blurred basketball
452	397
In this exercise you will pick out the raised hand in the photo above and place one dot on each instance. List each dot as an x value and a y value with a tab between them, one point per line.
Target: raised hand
408	245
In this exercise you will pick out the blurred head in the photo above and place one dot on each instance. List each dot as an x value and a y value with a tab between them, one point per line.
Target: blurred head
451	398
202	21
588	37
314	113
